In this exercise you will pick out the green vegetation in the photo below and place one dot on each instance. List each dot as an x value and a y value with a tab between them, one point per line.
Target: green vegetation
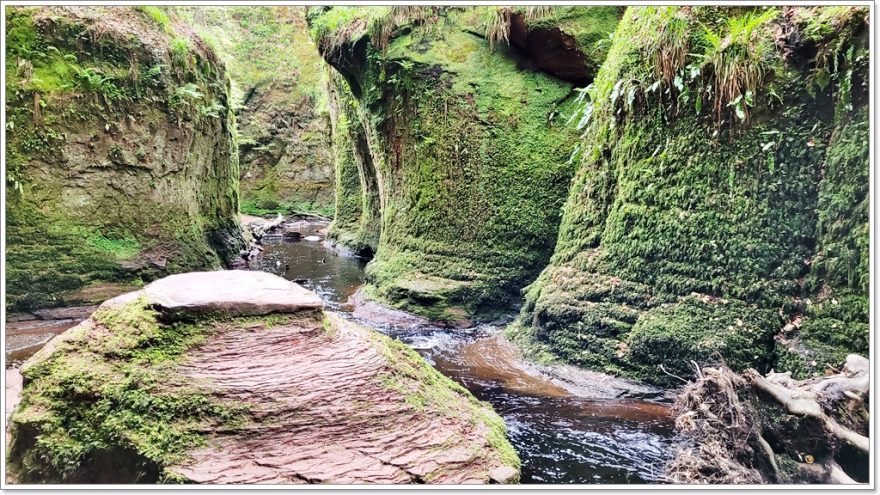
157	15
106	395
672	198
74	211
279	94
459	138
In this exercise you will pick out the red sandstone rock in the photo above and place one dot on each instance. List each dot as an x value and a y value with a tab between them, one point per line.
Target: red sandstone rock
232	293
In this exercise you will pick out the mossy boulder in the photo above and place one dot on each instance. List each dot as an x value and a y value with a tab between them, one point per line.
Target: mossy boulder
724	158
121	159
461	154
240	377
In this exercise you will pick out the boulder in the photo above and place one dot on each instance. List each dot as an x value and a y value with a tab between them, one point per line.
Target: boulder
241	377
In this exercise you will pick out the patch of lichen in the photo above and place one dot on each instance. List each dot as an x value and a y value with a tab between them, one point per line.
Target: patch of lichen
81	105
471	158
109	388
669	200
425	388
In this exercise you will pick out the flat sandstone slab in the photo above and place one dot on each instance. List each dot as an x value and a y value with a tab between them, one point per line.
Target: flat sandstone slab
330	407
232	293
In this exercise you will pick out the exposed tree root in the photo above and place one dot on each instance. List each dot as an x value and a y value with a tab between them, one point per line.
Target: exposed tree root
760	429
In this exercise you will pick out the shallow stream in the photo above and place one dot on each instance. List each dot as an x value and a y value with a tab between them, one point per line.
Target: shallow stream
560	437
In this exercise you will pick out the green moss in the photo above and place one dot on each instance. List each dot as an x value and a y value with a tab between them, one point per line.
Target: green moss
108	393
425	388
672	198
68	227
122	249
715	332
470	158
157	15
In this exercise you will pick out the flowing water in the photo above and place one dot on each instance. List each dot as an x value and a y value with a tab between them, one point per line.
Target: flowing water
561	438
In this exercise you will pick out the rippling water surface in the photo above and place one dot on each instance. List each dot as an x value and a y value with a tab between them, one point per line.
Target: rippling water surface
560	438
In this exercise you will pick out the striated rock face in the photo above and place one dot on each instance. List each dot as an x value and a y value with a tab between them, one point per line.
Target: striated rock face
281	105
122	163
713	217
452	158
258	386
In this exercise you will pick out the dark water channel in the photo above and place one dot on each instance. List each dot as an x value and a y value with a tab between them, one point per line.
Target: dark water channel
560	438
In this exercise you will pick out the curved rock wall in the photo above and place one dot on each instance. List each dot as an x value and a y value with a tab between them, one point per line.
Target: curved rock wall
468	148
719	211
281	105
121	159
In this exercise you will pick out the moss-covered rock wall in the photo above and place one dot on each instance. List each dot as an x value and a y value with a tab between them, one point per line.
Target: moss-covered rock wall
719	211
468	148
121	159
281	105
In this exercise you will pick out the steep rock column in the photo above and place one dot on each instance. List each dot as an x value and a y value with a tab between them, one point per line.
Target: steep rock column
470	149
281	106
355	224
121	159
720	198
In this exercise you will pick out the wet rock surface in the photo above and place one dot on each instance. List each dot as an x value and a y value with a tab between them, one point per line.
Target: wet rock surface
296	396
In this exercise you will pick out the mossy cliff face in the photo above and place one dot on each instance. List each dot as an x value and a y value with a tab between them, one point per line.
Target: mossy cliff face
281	105
721	197
468	149
355	224
167	384
121	159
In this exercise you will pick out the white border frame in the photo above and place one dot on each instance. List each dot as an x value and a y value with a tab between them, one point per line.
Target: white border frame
600	487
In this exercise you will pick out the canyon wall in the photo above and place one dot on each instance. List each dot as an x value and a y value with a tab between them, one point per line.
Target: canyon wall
121	160
720	210
461	146
280	100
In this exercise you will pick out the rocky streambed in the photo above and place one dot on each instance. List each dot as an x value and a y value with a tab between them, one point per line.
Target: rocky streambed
567	424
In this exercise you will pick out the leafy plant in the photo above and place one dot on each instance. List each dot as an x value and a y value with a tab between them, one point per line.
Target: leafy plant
156	15
180	51
94	80
739	60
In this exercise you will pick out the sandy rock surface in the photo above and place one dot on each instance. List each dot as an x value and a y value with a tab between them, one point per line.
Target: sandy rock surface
321	398
232	292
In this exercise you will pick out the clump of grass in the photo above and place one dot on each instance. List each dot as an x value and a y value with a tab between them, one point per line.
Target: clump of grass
497	22
739	59
180	51
669	44
157	15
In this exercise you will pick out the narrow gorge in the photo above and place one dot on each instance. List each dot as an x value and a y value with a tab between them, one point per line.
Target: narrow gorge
437	244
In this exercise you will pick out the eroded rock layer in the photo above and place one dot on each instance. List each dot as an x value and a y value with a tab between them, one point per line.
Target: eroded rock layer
260	387
121	160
